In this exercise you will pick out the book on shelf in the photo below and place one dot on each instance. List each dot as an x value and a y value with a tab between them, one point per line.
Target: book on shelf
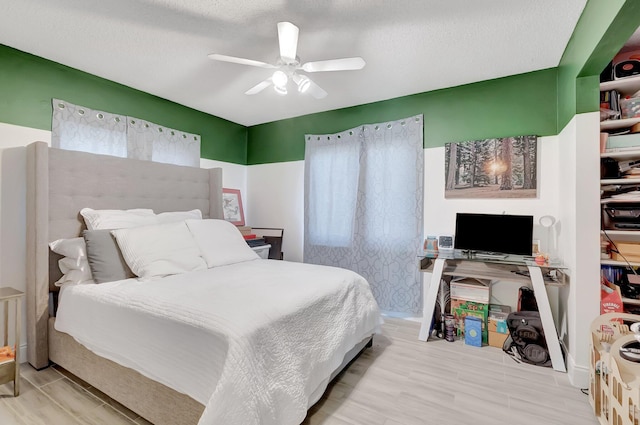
245	230
610	101
620	150
623	143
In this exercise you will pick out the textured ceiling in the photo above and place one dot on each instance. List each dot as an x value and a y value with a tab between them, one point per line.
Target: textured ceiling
410	46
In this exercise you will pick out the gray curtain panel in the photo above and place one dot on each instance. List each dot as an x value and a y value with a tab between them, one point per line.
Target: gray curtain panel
364	207
83	129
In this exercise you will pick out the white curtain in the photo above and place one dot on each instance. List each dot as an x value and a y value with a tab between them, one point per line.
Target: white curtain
78	128
153	142
83	129
364	207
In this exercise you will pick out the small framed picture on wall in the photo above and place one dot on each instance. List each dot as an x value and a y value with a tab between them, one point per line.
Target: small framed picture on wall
232	206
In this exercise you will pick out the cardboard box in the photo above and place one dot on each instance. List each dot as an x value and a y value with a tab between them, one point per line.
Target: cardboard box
499	308
497	339
625	257
470	289
628	250
497	324
610	297
462	308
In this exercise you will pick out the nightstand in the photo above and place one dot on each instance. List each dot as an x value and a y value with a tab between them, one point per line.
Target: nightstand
10	368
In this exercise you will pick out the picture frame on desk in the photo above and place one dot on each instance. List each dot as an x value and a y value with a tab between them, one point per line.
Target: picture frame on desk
232	206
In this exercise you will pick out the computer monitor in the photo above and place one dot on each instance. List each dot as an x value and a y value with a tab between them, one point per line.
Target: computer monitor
498	233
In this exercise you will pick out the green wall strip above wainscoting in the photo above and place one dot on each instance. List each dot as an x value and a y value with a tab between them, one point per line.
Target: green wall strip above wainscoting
28	82
539	103
515	105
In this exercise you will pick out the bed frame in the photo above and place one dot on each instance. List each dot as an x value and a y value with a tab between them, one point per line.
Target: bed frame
59	184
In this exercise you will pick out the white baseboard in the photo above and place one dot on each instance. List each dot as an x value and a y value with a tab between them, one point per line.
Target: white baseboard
23	353
578	374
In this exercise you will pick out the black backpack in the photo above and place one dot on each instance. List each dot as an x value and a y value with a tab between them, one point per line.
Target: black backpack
526	342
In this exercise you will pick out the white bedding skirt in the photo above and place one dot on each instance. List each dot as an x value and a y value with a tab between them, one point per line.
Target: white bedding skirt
251	341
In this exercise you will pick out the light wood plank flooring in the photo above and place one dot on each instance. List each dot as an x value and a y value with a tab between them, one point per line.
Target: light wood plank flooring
399	381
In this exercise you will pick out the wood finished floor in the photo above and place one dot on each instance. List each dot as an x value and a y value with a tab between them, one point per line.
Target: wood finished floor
399	381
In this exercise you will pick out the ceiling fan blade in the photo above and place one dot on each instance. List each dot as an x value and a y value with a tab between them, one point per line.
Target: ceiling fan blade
346	64
288	39
259	87
316	91
241	61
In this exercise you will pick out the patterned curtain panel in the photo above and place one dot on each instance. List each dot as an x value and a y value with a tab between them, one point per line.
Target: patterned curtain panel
364	207
83	129
78	128
153	142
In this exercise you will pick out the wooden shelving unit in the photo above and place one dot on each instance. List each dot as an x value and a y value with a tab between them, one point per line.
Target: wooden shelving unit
621	181
617	124
625	87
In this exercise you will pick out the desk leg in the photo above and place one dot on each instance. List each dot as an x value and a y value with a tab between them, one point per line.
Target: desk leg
550	332
6	323
429	298
16	376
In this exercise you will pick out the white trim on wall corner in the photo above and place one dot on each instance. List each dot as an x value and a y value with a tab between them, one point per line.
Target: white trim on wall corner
578	375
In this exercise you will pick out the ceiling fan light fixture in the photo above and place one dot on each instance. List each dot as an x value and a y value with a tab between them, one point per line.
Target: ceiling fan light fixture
288	39
281	90
280	79
289	63
303	82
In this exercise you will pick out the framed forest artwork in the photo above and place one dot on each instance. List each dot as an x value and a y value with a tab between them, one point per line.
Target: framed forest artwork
504	167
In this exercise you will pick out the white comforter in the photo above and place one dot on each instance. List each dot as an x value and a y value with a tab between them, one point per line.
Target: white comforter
252	341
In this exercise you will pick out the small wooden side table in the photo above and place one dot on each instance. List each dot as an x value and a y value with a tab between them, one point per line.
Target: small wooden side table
10	369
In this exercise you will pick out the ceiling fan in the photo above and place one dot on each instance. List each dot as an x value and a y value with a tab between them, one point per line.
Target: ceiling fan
288	65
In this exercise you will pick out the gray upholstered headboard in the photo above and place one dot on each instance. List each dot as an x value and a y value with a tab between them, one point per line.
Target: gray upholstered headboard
60	183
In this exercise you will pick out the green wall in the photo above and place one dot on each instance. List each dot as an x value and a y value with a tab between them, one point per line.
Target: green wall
516	105
28	82
539	103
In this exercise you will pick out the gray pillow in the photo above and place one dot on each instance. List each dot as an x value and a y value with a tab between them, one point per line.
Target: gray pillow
105	259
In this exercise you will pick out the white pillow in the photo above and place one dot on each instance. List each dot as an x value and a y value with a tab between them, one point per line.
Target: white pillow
220	242
159	250
74	266
170	217
117	219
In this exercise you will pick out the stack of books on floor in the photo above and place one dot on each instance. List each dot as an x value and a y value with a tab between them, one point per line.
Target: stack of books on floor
246	232
250	237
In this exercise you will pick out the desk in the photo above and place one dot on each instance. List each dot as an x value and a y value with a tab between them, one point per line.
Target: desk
457	264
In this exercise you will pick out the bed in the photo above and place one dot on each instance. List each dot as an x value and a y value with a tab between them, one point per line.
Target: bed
59	184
